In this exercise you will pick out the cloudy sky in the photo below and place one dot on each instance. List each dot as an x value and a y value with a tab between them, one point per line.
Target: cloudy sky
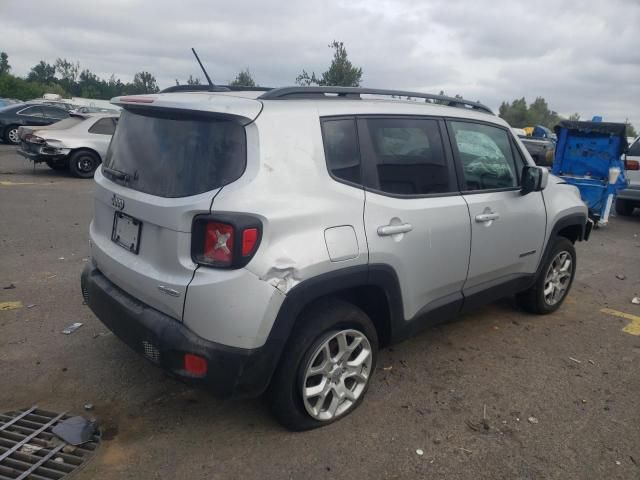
581	55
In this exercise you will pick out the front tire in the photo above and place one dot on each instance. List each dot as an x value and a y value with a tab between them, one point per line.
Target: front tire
326	368
624	207
83	163
11	135
553	281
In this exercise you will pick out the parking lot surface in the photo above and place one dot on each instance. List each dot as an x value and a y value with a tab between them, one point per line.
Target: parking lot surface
494	394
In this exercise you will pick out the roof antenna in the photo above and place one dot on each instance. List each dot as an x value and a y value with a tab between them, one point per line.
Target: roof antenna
211	84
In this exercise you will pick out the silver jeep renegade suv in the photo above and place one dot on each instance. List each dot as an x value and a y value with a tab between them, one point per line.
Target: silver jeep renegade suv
273	241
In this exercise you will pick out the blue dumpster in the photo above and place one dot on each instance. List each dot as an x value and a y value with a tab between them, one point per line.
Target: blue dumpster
589	156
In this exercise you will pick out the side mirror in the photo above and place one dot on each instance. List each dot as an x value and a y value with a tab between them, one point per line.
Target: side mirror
534	179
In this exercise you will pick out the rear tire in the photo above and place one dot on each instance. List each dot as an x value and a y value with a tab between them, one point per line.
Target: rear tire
83	163
553	281
334	344
11	135
624	207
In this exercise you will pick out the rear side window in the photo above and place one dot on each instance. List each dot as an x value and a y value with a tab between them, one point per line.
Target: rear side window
634	150
104	126
405	156
486	156
341	149
175	155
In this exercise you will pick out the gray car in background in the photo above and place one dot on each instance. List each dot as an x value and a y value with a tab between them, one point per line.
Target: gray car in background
629	198
78	143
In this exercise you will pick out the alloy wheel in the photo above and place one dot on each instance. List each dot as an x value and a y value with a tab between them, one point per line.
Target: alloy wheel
558	278
13	135
337	374
85	164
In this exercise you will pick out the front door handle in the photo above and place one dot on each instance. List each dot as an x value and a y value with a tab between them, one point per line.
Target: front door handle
487	217
387	230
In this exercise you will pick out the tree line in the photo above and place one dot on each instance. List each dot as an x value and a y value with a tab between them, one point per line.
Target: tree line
68	79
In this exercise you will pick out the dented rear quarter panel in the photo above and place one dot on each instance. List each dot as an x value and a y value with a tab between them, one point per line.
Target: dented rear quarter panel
289	188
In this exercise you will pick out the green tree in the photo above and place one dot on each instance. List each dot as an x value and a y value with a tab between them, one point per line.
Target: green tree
243	79
574	117
516	113
630	131
341	72
4	63
42	73
68	73
16	87
143	82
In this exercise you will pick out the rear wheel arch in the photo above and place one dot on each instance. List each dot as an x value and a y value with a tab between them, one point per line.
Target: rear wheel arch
372	288
86	149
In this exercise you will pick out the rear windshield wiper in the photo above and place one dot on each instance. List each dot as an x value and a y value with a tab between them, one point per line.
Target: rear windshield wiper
117	174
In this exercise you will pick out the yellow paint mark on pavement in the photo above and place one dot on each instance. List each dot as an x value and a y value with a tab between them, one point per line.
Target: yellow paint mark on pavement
10	305
633	327
6	183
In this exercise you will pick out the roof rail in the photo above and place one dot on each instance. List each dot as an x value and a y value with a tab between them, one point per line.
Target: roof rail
291	93
217	88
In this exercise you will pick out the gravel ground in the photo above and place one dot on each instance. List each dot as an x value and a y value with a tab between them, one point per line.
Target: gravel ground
560	392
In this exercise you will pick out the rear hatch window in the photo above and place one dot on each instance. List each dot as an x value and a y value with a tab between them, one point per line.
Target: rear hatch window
175	154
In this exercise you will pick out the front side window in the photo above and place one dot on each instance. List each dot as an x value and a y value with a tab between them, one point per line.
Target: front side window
341	149
31	112
486	156
406	156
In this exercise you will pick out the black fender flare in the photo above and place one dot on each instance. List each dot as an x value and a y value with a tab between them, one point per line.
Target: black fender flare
574	219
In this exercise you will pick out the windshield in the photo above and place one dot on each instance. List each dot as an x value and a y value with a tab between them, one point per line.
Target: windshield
175	155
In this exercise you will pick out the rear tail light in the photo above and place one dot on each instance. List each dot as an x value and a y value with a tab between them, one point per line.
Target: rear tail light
632	165
218	243
249	241
225	240
29	137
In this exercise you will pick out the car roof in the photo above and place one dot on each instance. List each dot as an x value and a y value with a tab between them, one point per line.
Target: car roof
248	104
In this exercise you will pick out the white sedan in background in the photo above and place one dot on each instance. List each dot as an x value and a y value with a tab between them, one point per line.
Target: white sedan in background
78	143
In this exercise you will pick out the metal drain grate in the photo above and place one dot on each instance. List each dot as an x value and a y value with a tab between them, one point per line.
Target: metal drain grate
28	449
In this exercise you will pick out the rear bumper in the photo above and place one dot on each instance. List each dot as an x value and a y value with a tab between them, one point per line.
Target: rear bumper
164	340
38	157
632	192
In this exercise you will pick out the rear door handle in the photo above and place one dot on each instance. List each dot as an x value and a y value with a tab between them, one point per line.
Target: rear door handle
387	230
487	217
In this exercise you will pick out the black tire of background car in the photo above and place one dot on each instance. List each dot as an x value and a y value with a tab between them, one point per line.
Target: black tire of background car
57	165
83	163
7	133
285	390
624	207
532	300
